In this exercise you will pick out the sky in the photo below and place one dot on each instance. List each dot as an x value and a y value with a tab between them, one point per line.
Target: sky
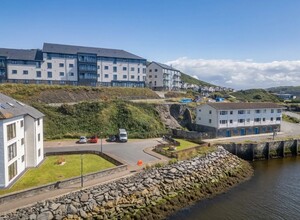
239	44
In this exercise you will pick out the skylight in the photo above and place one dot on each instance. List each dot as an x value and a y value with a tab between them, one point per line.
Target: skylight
10	104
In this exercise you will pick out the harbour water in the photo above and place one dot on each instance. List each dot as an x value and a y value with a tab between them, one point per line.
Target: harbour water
272	193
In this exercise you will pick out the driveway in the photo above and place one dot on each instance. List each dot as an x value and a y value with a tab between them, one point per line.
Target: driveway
129	152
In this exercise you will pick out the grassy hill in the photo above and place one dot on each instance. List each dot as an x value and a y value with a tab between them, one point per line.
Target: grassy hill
66	94
255	95
294	90
90	118
189	79
93	110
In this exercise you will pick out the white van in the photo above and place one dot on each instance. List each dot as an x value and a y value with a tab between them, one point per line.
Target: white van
122	135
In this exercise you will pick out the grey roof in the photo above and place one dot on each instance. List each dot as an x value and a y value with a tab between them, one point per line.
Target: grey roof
19	54
10	108
165	66
101	52
243	105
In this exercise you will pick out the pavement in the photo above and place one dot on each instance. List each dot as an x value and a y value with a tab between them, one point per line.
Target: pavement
128	152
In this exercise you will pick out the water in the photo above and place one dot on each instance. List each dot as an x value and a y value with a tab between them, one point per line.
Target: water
272	193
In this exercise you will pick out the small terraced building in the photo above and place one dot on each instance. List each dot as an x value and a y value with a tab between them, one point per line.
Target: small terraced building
237	119
21	139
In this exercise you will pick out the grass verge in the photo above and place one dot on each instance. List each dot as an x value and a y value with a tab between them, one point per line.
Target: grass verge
50	171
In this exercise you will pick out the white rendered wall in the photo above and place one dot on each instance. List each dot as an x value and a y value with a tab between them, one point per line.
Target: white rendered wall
20	68
56	69
203	117
137	76
20	149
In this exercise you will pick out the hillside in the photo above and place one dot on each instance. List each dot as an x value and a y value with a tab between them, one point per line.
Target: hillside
254	95
189	79
90	118
294	90
93	110
69	94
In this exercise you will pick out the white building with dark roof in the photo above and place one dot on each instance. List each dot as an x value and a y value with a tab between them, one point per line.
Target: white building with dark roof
163	77
74	65
235	119
21	139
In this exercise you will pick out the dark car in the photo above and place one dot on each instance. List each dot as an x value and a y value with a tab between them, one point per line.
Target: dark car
112	138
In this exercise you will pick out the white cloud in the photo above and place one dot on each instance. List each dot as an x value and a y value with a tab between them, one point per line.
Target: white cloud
241	74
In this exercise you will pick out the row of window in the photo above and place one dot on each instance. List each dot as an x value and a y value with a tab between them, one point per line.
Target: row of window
115	77
93	67
241	112
150	76
248	120
91	58
49	65
11	129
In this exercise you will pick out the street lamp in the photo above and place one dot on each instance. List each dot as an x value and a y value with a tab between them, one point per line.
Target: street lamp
81	170
101	140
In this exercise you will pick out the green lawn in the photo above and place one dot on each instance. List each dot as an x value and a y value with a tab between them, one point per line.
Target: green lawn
183	145
50	171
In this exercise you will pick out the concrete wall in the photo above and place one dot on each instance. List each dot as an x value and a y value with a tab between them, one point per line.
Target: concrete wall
266	150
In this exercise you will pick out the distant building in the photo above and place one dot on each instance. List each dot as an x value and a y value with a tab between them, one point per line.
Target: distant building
73	65
285	96
21	139
163	77
235	119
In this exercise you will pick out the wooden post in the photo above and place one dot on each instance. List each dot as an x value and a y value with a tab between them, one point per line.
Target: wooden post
235	149
268	151
252	146
283	146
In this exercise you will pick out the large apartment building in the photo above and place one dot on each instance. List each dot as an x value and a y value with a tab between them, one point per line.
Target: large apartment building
163	77
235	119
74	65
21	139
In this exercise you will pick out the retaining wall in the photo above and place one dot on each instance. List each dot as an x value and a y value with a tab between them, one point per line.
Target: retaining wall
150	194
265	150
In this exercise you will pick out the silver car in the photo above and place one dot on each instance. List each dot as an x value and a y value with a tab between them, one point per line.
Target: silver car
82	140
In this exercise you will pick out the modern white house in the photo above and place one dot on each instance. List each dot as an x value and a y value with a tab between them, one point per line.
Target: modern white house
235	119
73	65
21	139
163	77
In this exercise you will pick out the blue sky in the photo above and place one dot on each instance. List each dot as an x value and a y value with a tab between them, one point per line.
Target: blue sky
255	31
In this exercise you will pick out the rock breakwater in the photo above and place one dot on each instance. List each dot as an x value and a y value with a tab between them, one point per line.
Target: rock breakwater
151	194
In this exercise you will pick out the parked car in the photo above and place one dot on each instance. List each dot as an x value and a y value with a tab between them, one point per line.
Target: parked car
82	140
112	138
93	139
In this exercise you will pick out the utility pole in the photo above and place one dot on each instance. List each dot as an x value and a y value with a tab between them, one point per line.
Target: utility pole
101	141
81	170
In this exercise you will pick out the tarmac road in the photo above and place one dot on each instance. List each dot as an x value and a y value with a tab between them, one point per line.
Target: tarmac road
129	152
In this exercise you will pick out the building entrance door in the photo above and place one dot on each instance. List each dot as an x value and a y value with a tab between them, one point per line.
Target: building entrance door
243	131
256	130
228	133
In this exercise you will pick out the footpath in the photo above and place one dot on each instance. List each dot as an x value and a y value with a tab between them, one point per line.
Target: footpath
45	195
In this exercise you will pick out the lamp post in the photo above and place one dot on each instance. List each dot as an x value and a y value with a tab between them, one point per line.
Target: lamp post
81	170
101	140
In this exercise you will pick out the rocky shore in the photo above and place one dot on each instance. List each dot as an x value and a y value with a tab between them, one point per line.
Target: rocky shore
151	194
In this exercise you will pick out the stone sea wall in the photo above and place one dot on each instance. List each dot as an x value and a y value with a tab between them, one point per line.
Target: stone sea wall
151	194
